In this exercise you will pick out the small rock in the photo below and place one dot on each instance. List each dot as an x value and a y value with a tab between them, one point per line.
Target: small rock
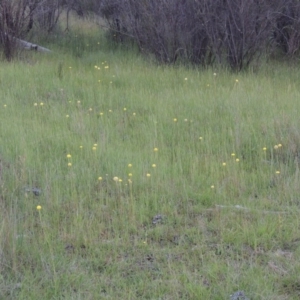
239	295
157	219
34	190
70	248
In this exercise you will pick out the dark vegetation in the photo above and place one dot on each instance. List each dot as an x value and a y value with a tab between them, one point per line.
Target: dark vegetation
202	32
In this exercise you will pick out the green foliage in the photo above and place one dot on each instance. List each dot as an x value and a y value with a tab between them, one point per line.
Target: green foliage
71	124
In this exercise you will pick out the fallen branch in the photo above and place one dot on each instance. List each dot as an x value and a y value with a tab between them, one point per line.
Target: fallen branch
239	207
29	46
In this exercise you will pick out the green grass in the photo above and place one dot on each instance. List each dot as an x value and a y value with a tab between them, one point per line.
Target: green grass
94	239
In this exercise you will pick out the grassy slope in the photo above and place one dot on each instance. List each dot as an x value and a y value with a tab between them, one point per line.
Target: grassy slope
94	238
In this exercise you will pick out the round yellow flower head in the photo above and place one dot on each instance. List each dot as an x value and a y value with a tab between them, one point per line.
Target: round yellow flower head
69	156
116	179
38	207
175	120
69	164
155	149
265	148
100	178
148	175
154	166
224	164
129	165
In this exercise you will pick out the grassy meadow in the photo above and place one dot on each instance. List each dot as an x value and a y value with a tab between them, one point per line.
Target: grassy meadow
123	179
